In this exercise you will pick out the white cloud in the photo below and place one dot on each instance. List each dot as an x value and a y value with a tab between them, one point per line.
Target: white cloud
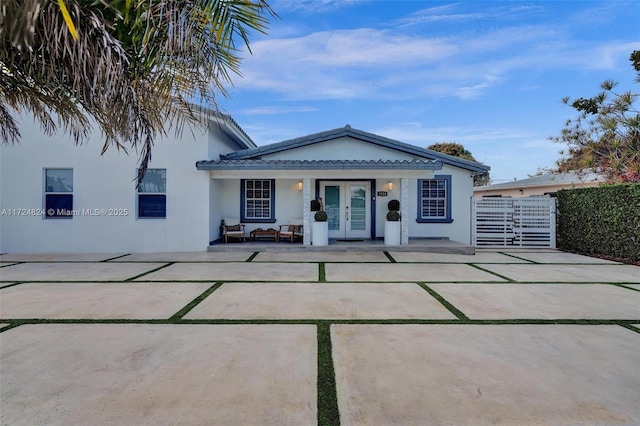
436	14
310	7
370	63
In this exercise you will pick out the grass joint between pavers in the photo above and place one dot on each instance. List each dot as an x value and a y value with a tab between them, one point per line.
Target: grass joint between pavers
519	258
491	272
630	327
12	284
195	302
9	327
148	272
391	259
11	264
455	311
322	275
328	413
624	286
114	258
253	256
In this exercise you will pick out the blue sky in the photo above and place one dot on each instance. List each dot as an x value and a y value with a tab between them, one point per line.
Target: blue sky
487	74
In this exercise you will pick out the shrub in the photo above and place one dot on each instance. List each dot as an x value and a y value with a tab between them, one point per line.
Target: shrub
603	220
393	216
393	205
320	216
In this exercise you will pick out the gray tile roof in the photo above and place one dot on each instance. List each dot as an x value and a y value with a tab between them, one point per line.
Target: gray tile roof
347	131
226	123
547	179
319	165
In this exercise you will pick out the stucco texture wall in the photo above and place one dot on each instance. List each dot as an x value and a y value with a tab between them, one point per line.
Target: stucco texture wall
105	183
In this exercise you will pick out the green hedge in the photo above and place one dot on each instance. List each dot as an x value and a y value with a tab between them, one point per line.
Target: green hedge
602	220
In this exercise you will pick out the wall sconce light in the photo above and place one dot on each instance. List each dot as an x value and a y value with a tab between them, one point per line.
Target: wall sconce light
390	186
300	185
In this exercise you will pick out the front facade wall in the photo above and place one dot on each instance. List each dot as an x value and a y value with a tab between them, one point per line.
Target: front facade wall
461	192
289	204
105	217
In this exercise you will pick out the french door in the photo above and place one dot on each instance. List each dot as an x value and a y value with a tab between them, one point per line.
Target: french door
348	207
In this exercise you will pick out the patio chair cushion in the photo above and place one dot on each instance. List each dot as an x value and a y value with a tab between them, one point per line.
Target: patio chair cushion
296	229
233	228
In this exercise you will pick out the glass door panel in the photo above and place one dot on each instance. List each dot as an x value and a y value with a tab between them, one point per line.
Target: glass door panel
348	208
358	204
332	206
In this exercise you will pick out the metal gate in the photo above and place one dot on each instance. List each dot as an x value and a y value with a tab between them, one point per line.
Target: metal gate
514	222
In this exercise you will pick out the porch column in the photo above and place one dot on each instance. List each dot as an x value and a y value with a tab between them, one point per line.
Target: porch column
404	211
306	213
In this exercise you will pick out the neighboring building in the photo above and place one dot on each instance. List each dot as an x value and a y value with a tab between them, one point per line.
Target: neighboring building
196	181
546	184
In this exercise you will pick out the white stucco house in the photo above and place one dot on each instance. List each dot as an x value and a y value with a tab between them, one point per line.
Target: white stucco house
58	197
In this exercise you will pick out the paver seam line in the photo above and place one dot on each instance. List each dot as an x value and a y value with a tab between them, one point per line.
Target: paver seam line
444	302
327	395
149	272
484	322
391	259
322	273
117	257
253	256
630	327
519	258
195	302
491	272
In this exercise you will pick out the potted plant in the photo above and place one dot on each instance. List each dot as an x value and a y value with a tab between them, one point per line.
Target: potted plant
392	225
320	227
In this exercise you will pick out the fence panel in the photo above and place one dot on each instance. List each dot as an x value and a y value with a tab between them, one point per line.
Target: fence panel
514	222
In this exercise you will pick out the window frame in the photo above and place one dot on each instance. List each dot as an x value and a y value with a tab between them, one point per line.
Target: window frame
151	194
49	195
447	218
272	202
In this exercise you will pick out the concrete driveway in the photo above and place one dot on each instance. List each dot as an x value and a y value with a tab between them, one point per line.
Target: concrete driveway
245	338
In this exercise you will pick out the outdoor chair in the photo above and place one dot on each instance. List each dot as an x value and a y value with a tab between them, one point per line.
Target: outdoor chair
291	231
232	228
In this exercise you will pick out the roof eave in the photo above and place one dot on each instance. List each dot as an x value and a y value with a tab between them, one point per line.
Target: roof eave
317	165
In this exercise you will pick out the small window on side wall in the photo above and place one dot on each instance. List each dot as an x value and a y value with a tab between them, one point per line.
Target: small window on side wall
152	195
58	193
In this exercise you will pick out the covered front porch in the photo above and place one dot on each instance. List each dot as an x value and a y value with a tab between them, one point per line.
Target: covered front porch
355	195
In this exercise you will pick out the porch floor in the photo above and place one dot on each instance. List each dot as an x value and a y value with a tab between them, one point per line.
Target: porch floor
415	245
